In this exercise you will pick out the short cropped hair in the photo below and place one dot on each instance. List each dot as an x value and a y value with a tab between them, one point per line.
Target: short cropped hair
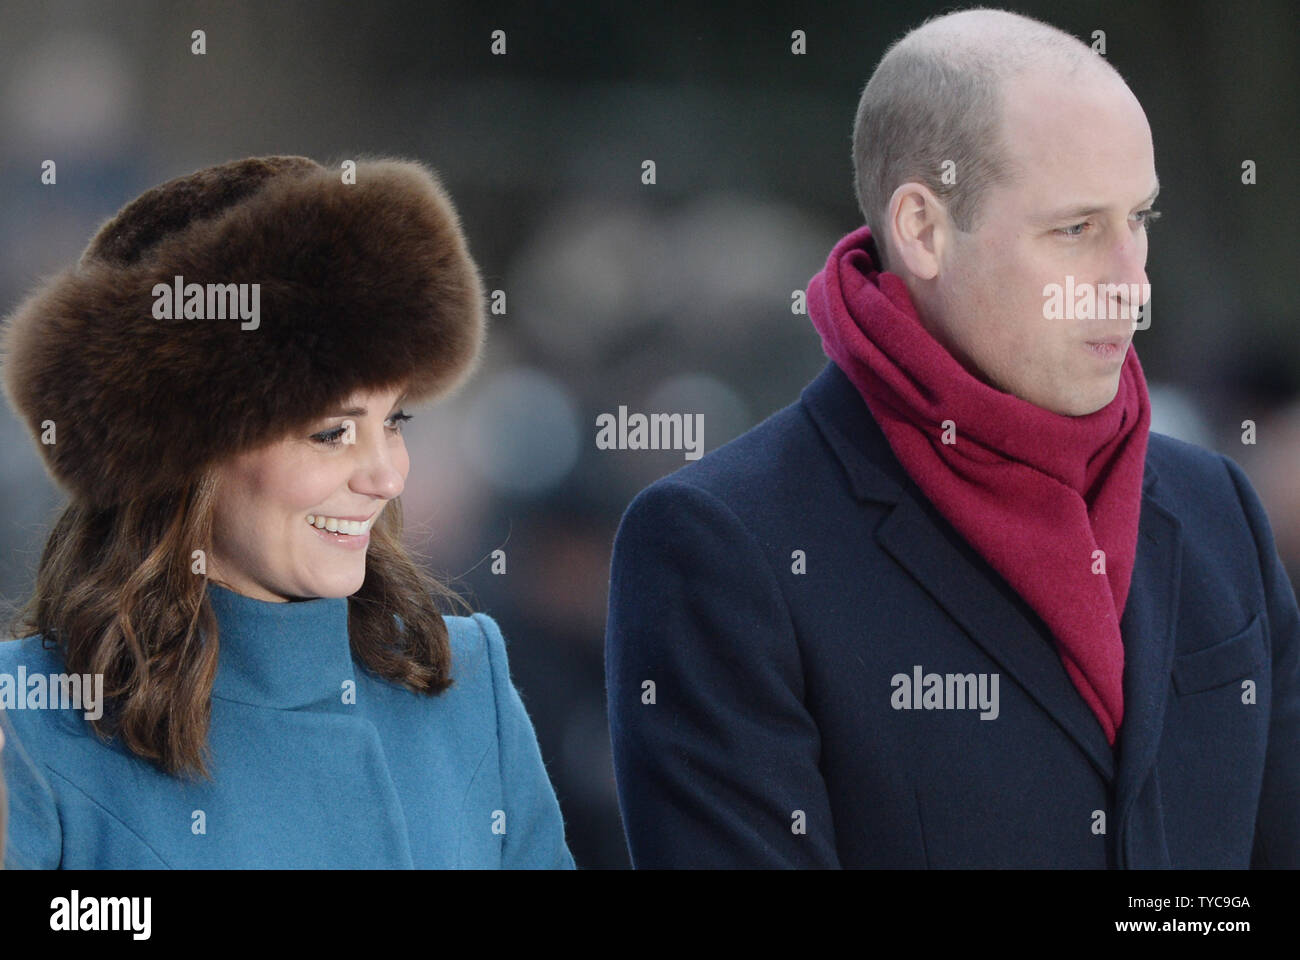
936	96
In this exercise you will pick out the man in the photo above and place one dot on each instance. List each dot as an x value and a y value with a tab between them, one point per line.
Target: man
958	606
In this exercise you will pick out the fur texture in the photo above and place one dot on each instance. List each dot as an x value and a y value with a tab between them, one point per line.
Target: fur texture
363	286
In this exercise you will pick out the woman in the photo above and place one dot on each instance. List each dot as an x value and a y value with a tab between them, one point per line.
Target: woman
219	385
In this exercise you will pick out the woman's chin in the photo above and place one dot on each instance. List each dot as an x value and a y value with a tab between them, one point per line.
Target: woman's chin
335	582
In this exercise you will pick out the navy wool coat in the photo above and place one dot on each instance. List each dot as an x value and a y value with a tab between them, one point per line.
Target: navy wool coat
775	605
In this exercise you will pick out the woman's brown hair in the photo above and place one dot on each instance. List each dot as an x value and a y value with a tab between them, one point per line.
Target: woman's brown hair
123	592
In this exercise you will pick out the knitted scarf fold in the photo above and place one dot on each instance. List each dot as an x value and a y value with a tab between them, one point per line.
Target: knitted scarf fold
1034	492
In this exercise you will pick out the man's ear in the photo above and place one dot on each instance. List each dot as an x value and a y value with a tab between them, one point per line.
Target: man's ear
917	224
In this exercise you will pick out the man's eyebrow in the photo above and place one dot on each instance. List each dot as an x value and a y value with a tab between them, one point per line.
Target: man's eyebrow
1083	210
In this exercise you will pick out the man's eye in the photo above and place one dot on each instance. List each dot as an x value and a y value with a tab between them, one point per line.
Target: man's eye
1149	216
1066	231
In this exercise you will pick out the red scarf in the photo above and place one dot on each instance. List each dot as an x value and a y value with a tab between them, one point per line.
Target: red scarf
1034	492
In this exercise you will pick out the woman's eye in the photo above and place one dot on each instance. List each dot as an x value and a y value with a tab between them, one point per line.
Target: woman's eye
330	437
334	436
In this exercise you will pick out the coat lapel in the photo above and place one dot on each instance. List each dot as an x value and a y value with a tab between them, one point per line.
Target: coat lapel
1148	629
985	606
977	598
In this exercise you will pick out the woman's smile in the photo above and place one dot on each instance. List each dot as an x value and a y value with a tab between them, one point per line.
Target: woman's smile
350	533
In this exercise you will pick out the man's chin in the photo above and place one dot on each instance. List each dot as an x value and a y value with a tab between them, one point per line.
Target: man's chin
1083	406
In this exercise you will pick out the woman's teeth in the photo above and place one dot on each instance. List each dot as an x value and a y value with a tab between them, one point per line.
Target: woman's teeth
334	525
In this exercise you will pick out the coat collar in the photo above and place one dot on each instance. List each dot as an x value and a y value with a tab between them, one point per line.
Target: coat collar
964	584
282	656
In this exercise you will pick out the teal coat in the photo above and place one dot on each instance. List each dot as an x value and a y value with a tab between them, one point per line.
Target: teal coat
315	763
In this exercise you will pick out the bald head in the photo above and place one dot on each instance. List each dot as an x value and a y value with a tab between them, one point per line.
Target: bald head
934	109
999	159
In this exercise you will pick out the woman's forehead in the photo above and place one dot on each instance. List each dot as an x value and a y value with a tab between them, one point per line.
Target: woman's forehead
366	397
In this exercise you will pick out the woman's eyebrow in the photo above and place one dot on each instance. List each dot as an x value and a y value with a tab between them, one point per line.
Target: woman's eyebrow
361	411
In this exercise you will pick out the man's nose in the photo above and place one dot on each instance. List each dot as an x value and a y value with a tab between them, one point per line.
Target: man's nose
1128	273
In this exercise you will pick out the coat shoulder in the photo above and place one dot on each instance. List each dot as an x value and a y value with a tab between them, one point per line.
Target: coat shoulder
1190	473
31	653
1174	454
774	464
471	640
479	666
21	662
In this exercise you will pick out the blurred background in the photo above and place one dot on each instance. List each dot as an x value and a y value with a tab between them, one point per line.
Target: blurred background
671	297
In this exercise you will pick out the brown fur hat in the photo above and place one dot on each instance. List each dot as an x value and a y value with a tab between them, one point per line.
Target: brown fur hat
365	286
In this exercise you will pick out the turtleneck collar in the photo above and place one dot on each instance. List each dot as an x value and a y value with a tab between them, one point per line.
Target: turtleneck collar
282	656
